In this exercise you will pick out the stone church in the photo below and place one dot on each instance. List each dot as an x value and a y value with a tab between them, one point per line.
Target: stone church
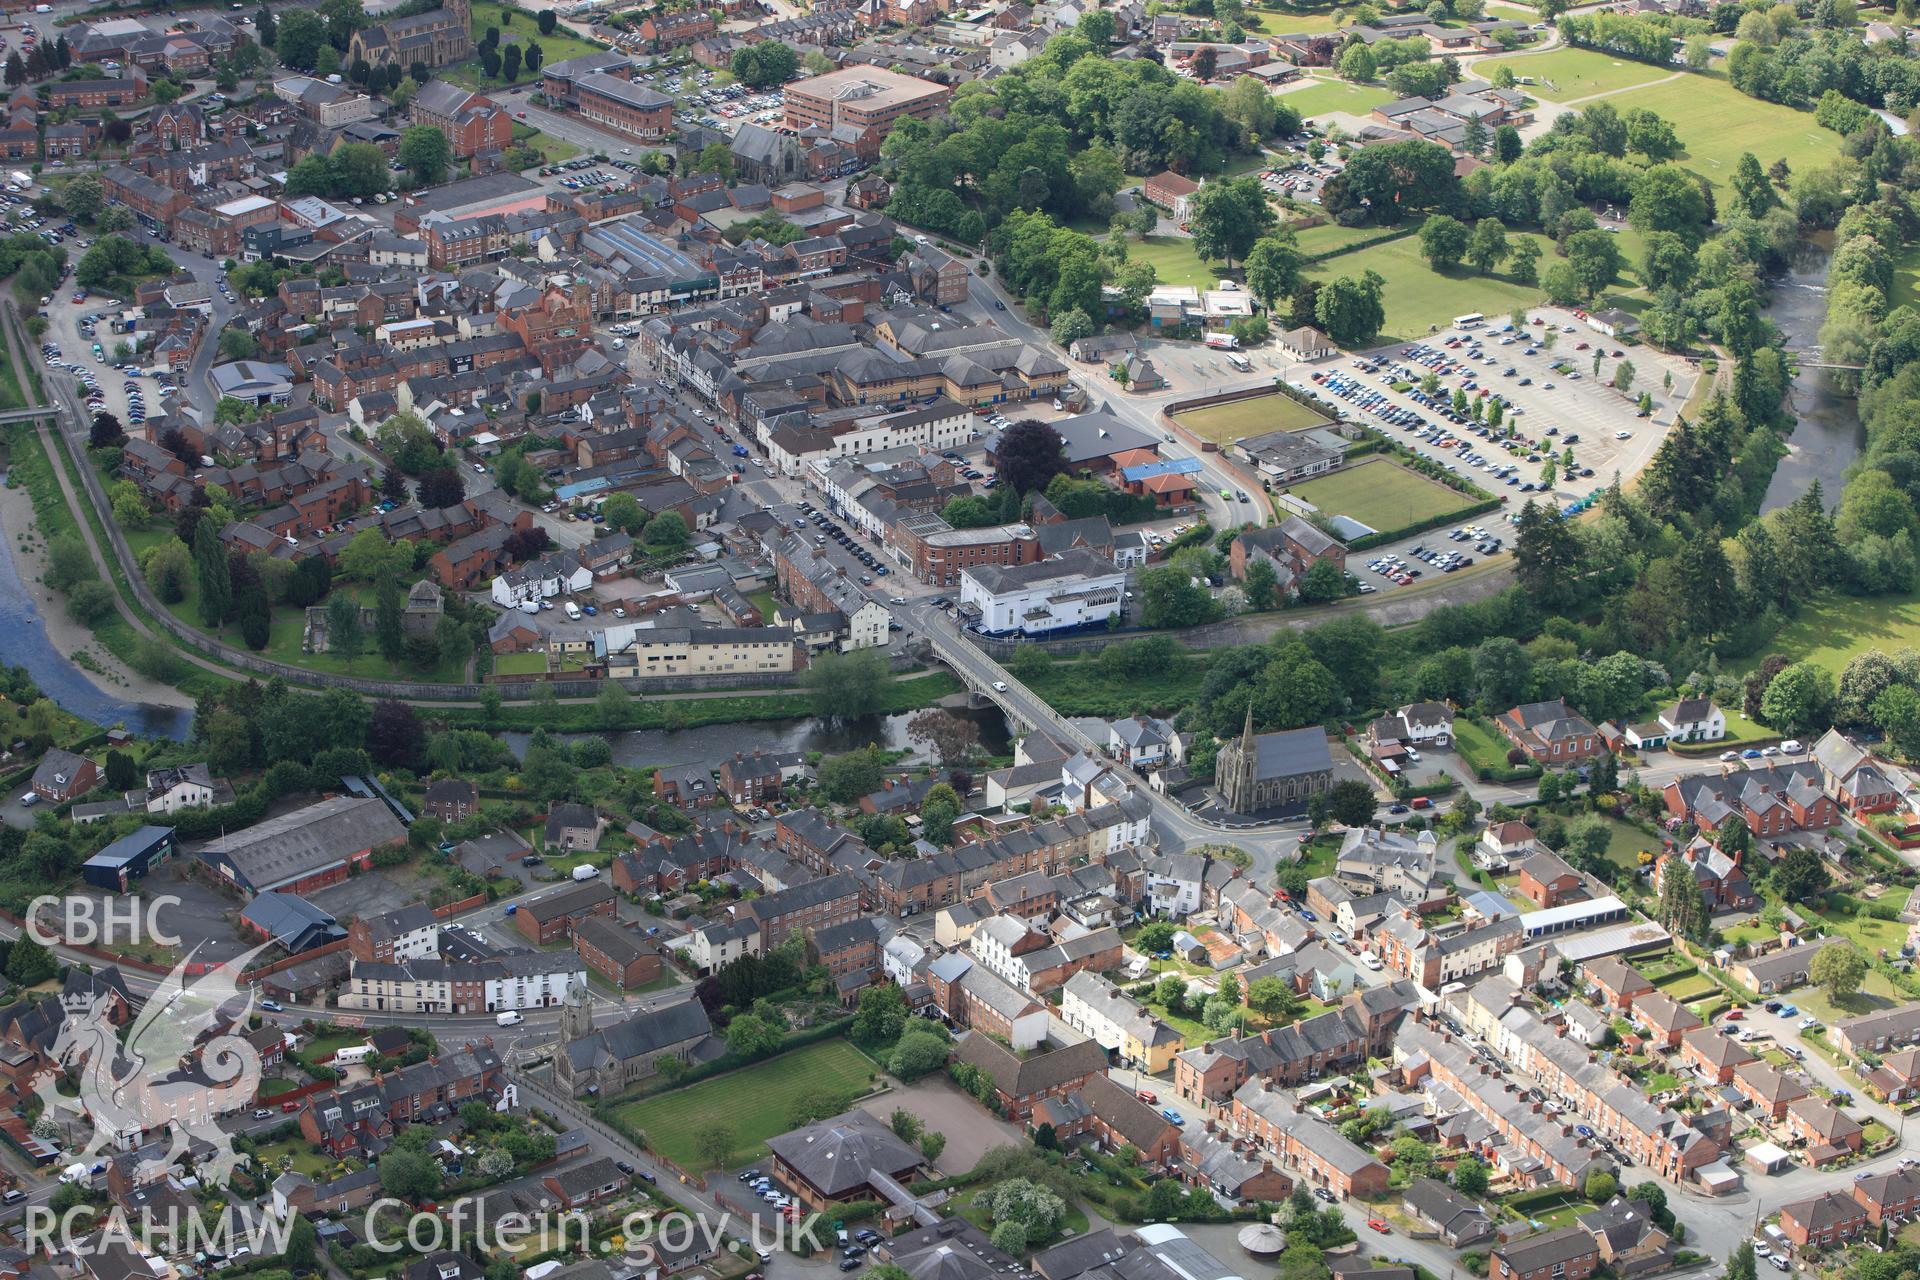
439	38
613	1059
1255	773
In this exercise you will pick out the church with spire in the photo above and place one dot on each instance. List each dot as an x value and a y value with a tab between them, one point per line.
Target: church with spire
1273	772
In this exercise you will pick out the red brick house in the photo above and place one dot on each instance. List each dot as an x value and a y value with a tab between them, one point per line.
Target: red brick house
471	122
750	779
1567	1254
1551	733
1829	1219
616	953
62	776
1548	881
1020	1083
1893	1195
1170	191
550	916
1773	800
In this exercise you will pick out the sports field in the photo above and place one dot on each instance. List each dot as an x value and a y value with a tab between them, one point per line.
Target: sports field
1318	97
1716	122
754	1101
1331	237
1381	495
1906	278
1574	73
1174	261
1418	299
1225	423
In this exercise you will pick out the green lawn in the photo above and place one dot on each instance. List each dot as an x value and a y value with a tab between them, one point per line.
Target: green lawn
1289	22
1320	97
1625	844
1870	933
1875	993
552	150
1716	122
1381	495
1575	73
1225	423
562	44
1480	745
1174	261
1418	299
1833	630
1906	278
1331	237
754	1101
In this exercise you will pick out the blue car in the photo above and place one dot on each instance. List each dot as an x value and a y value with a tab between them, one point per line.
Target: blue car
1308	915
1173	1117
1751	753
1788	1011
1583	1131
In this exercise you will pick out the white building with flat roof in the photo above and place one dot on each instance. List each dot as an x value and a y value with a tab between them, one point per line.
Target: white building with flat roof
1076	589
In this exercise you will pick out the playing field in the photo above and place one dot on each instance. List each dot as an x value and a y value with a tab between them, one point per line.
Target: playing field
1225	423
1331	237
1381	495
517	26
1174	261
1318	97
1419	299
1716	122
1575	73
1289	22
1833	630
753	1101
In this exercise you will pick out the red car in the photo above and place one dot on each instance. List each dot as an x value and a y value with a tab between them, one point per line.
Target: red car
1734	1015
1380	1225
1149	1097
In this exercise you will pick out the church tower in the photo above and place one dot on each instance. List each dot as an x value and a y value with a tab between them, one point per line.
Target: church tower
576	1015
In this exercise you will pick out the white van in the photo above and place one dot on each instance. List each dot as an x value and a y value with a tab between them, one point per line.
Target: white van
511	1018
573	611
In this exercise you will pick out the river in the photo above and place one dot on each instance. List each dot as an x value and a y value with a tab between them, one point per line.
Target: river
712	743
1827	435
57	675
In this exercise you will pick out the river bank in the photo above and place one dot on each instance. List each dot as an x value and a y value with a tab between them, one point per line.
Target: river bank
1827	435
59	652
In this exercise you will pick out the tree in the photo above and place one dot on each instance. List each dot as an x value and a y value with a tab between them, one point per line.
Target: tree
1443	241
751	1036
881	1016
510	63
1838	969
302	1252
1274	267
1488	244
847	684
715	158
954	738
211	575
667	532
442	486
1262	585
1029	455
410	1175
714	1142
1021	1200
1740	1263
1682	907
845	778
1351	311
919	1053
1351	802
1228	216
1525	259
302	34
168	567
425	152
1798	699
265	28
1070	326
1010	1238
1470	1176
768	63
84	197
395	736
1170	597
344	633
1800	875
1357	63
1600	1186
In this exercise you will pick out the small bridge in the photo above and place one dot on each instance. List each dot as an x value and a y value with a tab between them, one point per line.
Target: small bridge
28	415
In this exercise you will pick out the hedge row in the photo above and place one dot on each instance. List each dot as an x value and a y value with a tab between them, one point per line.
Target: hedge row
1422	526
